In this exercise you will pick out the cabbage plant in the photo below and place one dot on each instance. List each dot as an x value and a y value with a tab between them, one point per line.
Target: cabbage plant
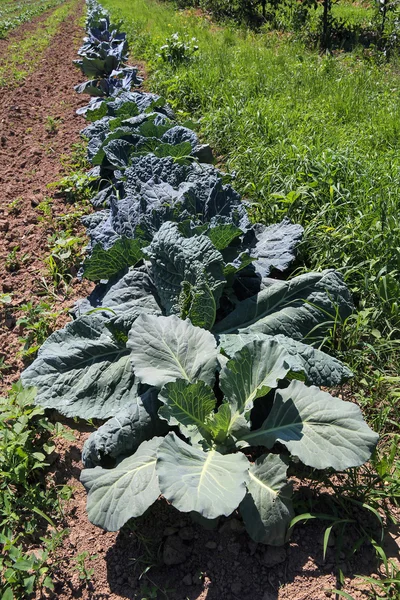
228	439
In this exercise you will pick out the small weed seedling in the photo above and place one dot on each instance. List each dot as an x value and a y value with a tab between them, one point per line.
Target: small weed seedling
149	590
14	208
45	207
76	161
3	367
65	253
85	573
13	261
5	299
76	187
52	125
37	322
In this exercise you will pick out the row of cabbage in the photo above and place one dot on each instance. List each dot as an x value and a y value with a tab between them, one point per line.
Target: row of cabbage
194	346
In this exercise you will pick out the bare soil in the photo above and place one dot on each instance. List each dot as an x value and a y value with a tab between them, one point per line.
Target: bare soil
164	552
29	161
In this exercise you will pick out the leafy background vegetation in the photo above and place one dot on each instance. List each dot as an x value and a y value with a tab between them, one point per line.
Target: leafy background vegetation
23	55
13	14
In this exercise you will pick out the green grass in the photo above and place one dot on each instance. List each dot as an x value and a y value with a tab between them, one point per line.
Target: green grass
353	14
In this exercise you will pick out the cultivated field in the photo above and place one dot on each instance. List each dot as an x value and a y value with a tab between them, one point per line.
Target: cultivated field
200	293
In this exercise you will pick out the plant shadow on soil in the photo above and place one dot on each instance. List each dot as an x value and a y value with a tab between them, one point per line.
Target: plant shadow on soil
165	551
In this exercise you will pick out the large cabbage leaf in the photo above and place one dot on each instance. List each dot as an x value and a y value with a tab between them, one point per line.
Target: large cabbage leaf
116	495
274	247
304	307
109	140
95	67
83	370
188	406
209	483
122	434
133	290
179	134
321	430
151	169
116	144
267	507
250	374
253	372
103	264
188	273
97	130
148	210
118	152
164	349
100	230
319	368
123	79
213	194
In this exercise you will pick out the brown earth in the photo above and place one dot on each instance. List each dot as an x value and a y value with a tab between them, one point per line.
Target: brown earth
163	554
29	161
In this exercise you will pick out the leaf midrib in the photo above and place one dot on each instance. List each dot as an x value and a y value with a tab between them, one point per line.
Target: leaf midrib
205	467
133	471
175	357
262	484
94	359
305	424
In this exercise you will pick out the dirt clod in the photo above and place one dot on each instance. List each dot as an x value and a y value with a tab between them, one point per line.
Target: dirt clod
170	531
273	556
187	533
175	551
